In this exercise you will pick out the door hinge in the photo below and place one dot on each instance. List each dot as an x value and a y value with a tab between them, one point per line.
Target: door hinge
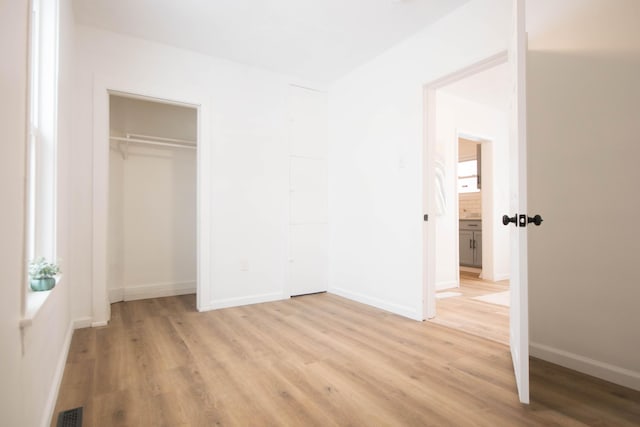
426	217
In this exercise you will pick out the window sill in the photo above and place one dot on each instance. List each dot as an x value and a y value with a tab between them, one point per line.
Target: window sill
35	301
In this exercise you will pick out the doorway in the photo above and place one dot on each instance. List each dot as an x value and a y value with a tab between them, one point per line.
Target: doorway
478	302
470	137
470	129
164	94
479	305
152	250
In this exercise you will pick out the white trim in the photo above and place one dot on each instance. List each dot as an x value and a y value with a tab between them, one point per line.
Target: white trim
99	324
398	309
440	286
204	281
501	276
100	203
82	322
474	68
236	302
116	295
35	301
154	290
57	379
586	365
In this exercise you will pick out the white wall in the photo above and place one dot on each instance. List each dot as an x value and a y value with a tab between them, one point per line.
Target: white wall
583	108
456	115
249	167
32	361
152	203
13	85
375	156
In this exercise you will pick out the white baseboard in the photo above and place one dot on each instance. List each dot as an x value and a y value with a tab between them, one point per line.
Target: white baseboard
57	378
99	324
83	322
595	368
499	277
156	290
116	295
441	286
236	302
398	309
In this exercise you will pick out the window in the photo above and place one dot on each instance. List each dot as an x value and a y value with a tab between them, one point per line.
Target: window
468	176
41	151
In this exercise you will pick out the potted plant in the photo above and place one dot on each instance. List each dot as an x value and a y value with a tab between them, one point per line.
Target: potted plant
42	274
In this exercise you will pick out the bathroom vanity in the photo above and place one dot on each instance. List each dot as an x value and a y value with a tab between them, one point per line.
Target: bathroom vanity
471	242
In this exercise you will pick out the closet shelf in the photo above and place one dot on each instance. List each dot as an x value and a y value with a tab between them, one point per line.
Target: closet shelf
151	140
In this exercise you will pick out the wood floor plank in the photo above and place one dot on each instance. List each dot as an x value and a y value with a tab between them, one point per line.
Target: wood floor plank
317	360
463	312
83	346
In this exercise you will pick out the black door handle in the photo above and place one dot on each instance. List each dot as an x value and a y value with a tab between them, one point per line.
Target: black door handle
506	219
524	220
537	220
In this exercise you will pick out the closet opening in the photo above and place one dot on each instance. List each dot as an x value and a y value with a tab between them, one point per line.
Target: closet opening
152	199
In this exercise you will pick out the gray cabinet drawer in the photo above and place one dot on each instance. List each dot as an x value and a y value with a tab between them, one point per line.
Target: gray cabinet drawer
471	224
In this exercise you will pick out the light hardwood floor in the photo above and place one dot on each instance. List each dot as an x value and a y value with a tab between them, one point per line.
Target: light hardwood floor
467	314
317	360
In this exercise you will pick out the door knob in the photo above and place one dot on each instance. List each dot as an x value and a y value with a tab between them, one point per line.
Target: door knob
506	219
523	220
537	220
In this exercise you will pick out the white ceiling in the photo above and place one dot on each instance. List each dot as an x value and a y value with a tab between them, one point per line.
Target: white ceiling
317	40
490	87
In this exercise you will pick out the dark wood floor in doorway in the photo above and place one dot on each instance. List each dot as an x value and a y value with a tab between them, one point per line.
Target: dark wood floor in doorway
318	360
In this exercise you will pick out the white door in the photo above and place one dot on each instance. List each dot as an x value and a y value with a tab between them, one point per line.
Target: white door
308	192
519	312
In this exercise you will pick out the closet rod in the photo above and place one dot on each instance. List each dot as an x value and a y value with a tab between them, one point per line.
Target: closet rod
159	138
150	142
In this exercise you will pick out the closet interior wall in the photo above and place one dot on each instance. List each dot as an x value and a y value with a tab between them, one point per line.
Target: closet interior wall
152	201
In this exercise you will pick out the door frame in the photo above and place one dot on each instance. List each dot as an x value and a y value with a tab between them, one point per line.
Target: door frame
428	172
103	87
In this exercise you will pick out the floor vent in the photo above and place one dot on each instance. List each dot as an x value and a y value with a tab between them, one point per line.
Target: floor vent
70	418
